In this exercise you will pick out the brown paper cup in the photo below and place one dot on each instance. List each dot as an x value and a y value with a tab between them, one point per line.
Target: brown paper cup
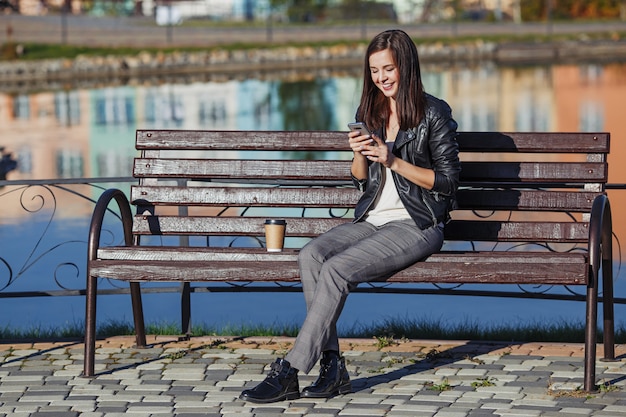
275	234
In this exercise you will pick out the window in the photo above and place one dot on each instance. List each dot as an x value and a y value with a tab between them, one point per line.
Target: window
591	116
21	107
67	108
70	164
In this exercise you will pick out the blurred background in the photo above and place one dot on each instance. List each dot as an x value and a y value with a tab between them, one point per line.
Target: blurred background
324	11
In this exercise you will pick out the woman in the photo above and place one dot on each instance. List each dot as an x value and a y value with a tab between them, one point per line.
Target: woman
408	170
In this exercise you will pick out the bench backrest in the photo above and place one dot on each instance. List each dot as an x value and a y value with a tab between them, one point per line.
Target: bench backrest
515	187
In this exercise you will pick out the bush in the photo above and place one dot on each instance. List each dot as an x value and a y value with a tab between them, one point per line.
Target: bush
10	51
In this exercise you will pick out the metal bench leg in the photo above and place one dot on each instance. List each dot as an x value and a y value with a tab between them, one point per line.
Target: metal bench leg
608	312
90	326
591	329
185	310
140	328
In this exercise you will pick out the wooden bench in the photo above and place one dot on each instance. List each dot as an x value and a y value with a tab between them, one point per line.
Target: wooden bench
532	210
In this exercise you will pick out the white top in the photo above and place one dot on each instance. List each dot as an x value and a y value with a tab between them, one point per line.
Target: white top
387	206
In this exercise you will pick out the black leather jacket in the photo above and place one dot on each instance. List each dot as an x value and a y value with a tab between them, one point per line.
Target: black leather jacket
432	144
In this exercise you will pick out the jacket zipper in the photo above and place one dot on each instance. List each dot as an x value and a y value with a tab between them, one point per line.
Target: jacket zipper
420	140
430	209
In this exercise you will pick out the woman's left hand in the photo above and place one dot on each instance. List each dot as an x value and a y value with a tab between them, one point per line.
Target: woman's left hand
379	152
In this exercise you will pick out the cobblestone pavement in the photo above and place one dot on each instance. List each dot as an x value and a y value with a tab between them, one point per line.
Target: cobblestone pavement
204	376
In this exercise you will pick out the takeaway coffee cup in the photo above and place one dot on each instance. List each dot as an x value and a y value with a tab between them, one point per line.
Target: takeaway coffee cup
275	234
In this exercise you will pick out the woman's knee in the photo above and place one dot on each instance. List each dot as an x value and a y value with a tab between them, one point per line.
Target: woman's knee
311	252
337	274
310	265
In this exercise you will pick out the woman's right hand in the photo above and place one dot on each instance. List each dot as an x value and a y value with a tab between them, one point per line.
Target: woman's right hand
360	143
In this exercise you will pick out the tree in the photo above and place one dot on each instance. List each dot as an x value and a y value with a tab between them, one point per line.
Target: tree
534	10
302	10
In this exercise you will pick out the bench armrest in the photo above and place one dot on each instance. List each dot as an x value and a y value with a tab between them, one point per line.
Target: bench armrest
600	233
97	218
600	256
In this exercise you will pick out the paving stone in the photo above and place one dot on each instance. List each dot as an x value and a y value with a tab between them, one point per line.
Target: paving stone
480	413
575	411
206	381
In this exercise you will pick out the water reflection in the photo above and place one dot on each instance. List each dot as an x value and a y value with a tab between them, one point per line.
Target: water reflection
89	132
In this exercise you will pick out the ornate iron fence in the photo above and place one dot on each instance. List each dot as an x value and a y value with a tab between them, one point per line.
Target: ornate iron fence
44	227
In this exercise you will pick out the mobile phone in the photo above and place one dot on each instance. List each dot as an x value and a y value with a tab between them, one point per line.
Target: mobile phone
360	126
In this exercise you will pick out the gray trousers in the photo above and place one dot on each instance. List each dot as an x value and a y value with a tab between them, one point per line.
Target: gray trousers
335	262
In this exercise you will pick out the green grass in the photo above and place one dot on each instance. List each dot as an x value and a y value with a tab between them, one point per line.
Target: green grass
561	331
384	331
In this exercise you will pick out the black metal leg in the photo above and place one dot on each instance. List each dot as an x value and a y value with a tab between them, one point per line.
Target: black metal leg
185	305
140	328
590	336
608	309
90	326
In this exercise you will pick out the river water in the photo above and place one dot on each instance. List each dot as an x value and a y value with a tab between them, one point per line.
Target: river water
87	131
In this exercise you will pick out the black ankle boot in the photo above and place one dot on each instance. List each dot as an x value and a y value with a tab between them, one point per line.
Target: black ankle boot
280	384
333	379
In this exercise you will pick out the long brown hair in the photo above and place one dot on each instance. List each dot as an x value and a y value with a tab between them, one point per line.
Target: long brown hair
411	99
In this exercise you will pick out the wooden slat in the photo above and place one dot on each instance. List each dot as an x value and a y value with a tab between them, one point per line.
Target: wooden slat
498	268
228	226
247	196
560	172
491	231
195	271
467	230
527	200
551	142
468	199
558	142
455	267
242	169
239	140
191	253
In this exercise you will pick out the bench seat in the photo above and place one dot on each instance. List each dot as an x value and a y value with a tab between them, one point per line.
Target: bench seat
247	264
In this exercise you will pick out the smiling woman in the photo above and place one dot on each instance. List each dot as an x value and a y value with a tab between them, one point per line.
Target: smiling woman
395	223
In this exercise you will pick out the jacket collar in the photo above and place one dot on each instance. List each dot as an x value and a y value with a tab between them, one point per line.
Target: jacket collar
404	137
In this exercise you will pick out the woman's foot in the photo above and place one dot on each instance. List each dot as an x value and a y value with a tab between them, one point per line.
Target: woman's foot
280	384
333	378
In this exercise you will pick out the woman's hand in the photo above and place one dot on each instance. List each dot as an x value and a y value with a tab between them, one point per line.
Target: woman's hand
375	150
359	143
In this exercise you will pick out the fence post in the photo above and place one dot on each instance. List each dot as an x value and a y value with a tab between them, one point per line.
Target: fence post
169	27
363	15
269	25
549	17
